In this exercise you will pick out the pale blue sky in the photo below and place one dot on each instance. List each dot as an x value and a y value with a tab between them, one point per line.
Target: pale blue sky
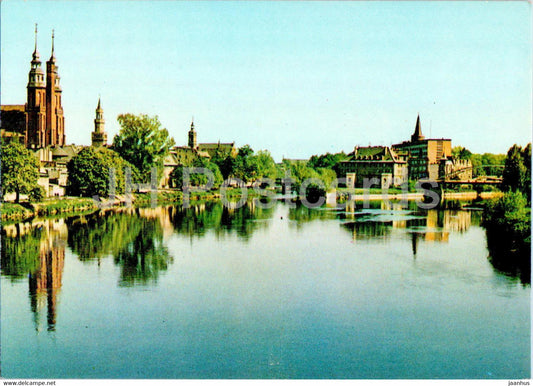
296	78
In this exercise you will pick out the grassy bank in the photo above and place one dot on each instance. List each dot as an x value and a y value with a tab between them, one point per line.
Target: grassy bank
14	212
18	212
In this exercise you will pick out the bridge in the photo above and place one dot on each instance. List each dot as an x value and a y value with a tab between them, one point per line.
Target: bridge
448	179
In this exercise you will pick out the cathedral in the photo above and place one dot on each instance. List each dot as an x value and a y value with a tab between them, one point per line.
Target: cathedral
40	124
45	123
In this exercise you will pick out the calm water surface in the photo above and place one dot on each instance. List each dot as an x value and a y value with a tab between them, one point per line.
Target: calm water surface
284	292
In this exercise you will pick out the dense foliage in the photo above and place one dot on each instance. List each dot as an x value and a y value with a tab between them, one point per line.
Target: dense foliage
299	171
143	143
247	165
486	164
508	219
328	161
196	179
89	172
517	172
20	169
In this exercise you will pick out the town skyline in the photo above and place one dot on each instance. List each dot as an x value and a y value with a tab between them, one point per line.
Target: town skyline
292	102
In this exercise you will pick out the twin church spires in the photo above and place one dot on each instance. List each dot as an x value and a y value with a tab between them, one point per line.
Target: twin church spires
45	124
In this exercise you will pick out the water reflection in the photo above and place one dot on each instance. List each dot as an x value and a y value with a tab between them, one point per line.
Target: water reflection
433	225
509	256
133	237
37	251
197	220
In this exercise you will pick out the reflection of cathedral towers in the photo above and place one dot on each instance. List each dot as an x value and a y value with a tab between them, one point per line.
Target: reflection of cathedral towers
45	282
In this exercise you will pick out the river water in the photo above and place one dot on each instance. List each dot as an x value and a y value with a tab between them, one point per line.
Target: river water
212	292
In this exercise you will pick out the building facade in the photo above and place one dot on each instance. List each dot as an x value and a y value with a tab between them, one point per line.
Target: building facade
424	155
374	162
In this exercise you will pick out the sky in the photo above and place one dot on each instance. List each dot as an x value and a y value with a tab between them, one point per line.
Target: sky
295	78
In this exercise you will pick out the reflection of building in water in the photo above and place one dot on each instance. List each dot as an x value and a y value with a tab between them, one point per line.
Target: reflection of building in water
430	225
444	222
161	214
439	224
435	231
457	220
45	282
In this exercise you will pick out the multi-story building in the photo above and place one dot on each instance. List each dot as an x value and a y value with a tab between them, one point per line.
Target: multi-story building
424	155
386	165
417	159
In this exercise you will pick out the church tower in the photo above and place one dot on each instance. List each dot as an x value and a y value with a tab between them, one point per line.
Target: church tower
99	136
192	136
55	123
36	103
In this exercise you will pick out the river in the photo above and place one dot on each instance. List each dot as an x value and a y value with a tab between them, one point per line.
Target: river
281	292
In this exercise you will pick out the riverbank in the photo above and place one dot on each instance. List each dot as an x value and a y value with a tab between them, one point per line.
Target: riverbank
12	212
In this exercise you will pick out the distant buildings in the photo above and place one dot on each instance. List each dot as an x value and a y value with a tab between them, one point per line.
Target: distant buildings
417	159
185	155
381	162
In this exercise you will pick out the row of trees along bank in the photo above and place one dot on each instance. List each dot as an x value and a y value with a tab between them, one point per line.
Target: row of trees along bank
142	144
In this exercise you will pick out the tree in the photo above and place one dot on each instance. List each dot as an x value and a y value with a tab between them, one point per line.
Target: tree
89	172
143	143
20	169
197	179
460	152
526	157
243	166
263	165
516	172
328	161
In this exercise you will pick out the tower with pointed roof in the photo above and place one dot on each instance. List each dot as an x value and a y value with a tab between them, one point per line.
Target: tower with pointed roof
99	136
55	122
36	103
192	136
45	124
417	135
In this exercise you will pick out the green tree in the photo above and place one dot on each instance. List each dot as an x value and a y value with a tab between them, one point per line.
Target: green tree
89	172
263	165
20	169
526	158
197	179
328	161
460	152
243	166
507	221
516	172
143	143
